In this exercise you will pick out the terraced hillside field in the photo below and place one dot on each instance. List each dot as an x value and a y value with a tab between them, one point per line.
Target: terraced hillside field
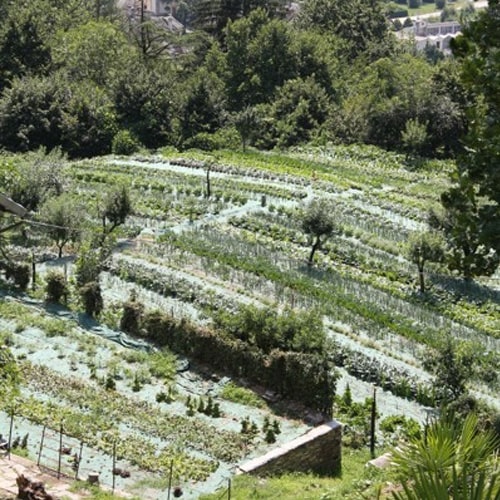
214	237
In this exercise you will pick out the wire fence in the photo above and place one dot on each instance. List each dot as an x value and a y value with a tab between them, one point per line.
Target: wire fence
62	455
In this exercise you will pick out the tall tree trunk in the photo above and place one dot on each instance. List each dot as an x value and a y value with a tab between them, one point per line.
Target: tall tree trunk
315	246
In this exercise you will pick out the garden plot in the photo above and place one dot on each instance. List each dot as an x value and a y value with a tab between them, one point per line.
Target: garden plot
68	378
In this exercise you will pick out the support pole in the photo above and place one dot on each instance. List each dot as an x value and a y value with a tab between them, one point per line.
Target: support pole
114	467
372	423
79	460
229	489
41	446
11	428
33	271
60	450
170	478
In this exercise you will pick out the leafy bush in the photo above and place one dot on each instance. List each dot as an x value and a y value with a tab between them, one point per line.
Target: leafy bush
124	143
56	287
305	377
237	394
91	297
19	273
402	426
130	321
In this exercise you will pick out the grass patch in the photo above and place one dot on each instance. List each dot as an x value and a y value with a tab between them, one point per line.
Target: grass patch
236	394
162	365
355	482
93	492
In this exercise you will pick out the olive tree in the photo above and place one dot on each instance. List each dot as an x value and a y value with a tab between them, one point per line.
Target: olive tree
318	221
63	217
422	248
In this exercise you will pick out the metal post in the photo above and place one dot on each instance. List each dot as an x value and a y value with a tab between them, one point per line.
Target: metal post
10	431
41	446
79	460
60	450
229	489
33	271
114	467
372	424
170	479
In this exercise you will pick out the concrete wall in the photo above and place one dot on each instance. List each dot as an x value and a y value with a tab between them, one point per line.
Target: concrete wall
319	450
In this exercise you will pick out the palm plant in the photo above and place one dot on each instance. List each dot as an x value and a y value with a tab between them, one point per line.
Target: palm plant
454	460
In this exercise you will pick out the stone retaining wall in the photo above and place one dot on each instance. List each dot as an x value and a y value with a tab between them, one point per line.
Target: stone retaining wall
319	450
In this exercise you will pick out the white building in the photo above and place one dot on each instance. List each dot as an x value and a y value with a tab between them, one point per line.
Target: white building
424	33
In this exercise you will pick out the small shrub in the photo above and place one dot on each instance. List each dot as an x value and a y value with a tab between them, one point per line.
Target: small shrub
56	287
19	273
130	321
124	143
91	297
110	383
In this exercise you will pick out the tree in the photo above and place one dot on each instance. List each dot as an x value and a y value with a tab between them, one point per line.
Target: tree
318	220
300	109
10	375
22	50
95	51
142	96
34	177
30	114
89	123
467	230
453	460
64	217
422	248
360	23
246	122
115	210
477	49
452	366
413	138
203	106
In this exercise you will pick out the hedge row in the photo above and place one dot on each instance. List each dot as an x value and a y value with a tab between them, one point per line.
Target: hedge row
307	378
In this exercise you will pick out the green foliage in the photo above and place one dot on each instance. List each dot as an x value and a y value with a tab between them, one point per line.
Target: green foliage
91	297
124	143
422	248
414	137
467	229
131	318
10	375
89	263
116	207
96	52
477	51
299	111
56	287
241	395
452	367
143	102
34	177
401	427
64	217
318	221
452	457
162	365
23	50
341	18
269	329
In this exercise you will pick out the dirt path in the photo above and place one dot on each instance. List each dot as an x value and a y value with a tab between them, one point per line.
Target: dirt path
15	466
